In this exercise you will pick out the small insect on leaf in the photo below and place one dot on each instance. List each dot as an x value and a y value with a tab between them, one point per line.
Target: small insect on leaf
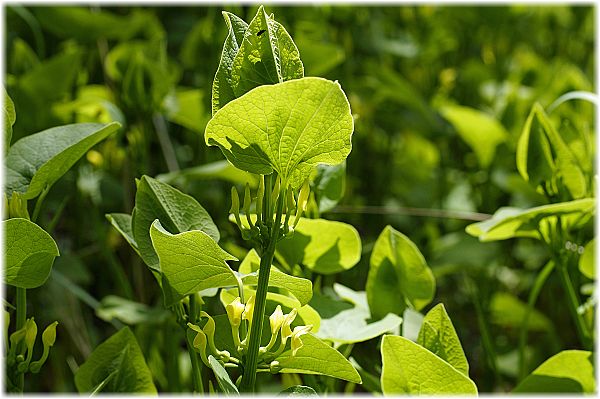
260	32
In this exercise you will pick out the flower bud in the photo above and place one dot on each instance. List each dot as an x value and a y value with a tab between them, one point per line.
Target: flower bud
296	334
285	327
17	206
234	312
249	310
276	320
49	335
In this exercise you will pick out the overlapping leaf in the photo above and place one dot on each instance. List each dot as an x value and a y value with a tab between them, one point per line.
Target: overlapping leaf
37	161
288	127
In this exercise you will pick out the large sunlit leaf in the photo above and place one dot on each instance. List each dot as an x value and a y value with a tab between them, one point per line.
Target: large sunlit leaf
513	222
323	246
177	212
482	132
190	261
410	369
570	371
39	160
300	288
439	336
29	253
256	54
288	127
398	275
116	366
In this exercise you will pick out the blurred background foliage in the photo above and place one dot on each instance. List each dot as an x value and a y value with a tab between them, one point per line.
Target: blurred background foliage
419	79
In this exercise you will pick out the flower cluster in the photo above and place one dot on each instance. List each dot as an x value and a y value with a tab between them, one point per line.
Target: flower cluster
237	313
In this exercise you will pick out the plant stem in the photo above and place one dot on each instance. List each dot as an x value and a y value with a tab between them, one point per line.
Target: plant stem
21	319
38	204
533	295
249	378
196	364
573	303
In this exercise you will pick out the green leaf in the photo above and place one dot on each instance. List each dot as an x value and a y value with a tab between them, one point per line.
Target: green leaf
117	365
9	119
29	253
411	369
227	386
349	325
329	185
514	222
398	275
222	89
129	312
300	288
288	127
298	390
177	212
508	311
122	223
256	54
190	261
317	357
542	154
586	261
323	246
567	371
438	335
85	25
215	170
482	132
37	161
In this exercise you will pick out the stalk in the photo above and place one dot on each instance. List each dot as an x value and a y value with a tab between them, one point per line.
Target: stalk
196	365
573	302
21	319
249	377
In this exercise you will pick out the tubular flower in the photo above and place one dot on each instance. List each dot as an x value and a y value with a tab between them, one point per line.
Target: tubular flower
234	311
249	310
276	320
286	331
296	334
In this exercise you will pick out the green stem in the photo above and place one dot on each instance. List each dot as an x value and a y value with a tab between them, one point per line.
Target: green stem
38	204
21	319
533	295
194	316
573	303
249	377
196	375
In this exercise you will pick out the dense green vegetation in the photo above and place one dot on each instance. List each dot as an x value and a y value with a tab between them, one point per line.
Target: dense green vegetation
401	198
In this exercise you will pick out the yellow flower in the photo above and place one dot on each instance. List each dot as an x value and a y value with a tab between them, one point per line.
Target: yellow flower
276	320
234	312
296	334
285	328
249	310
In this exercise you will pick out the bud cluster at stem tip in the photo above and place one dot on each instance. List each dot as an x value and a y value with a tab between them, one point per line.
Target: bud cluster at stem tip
258	225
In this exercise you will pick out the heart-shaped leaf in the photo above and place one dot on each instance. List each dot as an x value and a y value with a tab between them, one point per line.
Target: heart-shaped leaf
177	212
29	253
37	161
410	369
288	127
116	365
398	275
190	261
